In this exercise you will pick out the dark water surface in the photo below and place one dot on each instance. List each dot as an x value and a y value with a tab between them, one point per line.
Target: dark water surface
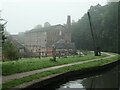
108	79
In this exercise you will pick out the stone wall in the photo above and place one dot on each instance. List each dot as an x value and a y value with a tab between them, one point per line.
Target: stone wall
55	34
35	40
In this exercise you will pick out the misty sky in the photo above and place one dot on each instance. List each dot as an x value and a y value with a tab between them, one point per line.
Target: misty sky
24	15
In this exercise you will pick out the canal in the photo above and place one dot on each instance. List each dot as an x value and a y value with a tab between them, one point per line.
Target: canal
106	76
107	79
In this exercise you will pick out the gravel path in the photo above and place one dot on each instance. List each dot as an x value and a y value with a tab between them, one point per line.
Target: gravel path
23	74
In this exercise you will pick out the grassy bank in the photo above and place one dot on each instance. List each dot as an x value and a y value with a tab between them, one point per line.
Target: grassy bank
23	65
101	62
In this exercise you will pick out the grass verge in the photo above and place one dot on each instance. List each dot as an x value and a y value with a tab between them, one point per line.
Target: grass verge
92	64
29	64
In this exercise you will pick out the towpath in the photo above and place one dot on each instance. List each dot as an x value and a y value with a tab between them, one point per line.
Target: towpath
23	74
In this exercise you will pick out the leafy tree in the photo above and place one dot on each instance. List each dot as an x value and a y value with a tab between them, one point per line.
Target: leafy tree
38	27
9	51
47	24
104	22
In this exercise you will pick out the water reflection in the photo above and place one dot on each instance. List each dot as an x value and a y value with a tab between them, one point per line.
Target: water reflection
73	84
110	79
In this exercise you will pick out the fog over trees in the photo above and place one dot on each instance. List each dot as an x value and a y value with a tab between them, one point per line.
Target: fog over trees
104	21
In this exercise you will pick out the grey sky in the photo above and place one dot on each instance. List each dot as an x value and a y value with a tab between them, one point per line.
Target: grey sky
23	15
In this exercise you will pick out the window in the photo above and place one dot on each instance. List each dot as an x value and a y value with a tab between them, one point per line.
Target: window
60	33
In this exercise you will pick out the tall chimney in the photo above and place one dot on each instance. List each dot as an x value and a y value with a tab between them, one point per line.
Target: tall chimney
68	22
68	29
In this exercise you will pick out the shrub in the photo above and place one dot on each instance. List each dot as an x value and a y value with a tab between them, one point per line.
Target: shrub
9	51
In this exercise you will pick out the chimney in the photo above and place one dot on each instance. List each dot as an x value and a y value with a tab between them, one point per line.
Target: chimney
68	22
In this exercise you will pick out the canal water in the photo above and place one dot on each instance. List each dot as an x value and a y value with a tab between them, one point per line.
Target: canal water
108	79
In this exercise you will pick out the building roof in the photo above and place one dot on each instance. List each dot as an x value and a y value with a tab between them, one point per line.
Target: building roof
61	44
45	29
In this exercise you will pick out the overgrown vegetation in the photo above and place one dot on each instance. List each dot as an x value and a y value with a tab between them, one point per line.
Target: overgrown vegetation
22	65
101	62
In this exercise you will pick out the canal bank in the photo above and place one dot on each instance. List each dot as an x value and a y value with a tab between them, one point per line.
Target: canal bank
109	80
55	80
27	81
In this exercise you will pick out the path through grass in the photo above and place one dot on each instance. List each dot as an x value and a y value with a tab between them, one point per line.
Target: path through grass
28	64
101	62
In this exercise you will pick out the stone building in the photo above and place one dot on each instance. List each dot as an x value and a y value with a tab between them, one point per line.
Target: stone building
35	41
41	41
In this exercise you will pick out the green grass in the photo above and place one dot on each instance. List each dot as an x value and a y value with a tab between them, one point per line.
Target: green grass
101	62
23	65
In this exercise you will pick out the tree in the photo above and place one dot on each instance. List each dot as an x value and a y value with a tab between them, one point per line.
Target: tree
2	34
47	24
38	27
104	22
112	1
9	51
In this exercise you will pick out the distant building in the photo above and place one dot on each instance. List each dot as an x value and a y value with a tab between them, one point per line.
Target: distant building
35	41
43	40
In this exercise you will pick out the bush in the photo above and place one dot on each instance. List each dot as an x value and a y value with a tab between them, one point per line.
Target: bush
9	51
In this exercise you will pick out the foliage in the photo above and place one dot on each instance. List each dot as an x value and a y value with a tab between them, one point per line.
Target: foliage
104	22
47	24
9	51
